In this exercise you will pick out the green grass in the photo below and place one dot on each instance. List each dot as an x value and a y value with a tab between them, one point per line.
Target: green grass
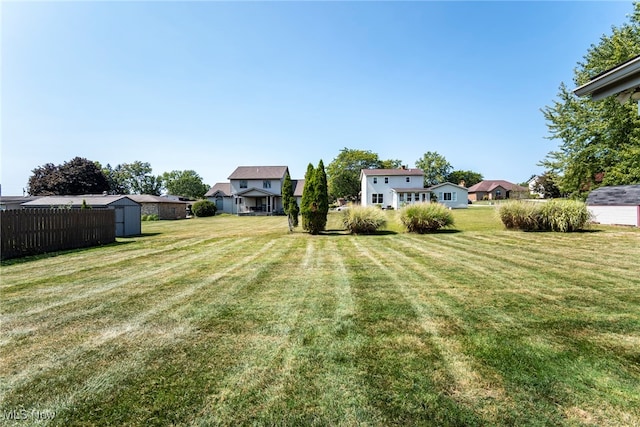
235	321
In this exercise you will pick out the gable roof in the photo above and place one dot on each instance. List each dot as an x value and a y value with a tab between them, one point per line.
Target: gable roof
617	195
434	187
76	201
224	188
298	187
392	172
491	184
259	172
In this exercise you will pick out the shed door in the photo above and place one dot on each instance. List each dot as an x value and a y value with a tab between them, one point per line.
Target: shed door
119	221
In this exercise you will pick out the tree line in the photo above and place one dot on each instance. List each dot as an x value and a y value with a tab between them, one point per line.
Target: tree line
83	176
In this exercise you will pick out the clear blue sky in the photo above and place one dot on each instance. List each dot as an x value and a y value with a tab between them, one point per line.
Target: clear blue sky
210	86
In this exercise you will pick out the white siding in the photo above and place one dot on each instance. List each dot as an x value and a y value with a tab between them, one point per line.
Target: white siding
616	215
459	195
389	198
276	185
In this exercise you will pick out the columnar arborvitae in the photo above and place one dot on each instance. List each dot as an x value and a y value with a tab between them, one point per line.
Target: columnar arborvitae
315	199
307	198
322	195
289	203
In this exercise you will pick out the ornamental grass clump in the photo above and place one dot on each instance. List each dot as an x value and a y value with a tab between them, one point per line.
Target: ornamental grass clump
363	220
425	217
519	215
555	215
565	215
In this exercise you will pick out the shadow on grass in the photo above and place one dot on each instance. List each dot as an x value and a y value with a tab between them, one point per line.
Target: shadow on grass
442	231
347	233
35	257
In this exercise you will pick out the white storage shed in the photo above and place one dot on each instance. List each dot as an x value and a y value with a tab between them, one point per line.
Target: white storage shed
617	205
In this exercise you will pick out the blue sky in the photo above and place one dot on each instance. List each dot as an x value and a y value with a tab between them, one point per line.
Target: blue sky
210	86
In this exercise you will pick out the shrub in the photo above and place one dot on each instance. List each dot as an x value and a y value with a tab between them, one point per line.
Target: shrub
518	215
565	215
425	217
153	217
203	208
555	215
363	220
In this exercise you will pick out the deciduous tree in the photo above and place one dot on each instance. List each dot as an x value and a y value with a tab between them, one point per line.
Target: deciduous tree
137	178
77	176
184	183
435	167
343	173
599	140
470	178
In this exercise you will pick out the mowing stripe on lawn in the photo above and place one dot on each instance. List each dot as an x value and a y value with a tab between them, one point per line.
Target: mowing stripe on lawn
101	338
468	386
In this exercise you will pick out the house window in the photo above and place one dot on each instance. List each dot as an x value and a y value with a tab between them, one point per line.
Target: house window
376	198
408	179
401	197
386	179
375	180
238	200
409	197
424	197
452	197
243	183
266	184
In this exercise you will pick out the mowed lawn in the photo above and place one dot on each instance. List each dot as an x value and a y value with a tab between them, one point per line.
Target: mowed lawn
235	321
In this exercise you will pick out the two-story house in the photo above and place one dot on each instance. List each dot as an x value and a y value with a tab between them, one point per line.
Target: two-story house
392	188
251	190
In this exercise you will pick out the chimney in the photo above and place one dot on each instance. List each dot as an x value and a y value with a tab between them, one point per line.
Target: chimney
404	167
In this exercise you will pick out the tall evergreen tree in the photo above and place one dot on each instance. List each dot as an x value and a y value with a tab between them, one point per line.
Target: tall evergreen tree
289	203
315	199
322	196
308	198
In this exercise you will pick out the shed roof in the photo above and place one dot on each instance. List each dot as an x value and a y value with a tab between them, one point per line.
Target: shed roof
392	172
148	198
617	195
76	201
412	190
259	172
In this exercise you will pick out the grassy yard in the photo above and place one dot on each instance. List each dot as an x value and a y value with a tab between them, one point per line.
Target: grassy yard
235	321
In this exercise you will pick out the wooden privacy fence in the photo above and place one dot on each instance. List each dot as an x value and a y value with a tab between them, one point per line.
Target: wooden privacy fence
36	231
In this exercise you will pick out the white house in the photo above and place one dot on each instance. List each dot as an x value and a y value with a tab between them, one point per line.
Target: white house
618	205
392	188
451	195
251	190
